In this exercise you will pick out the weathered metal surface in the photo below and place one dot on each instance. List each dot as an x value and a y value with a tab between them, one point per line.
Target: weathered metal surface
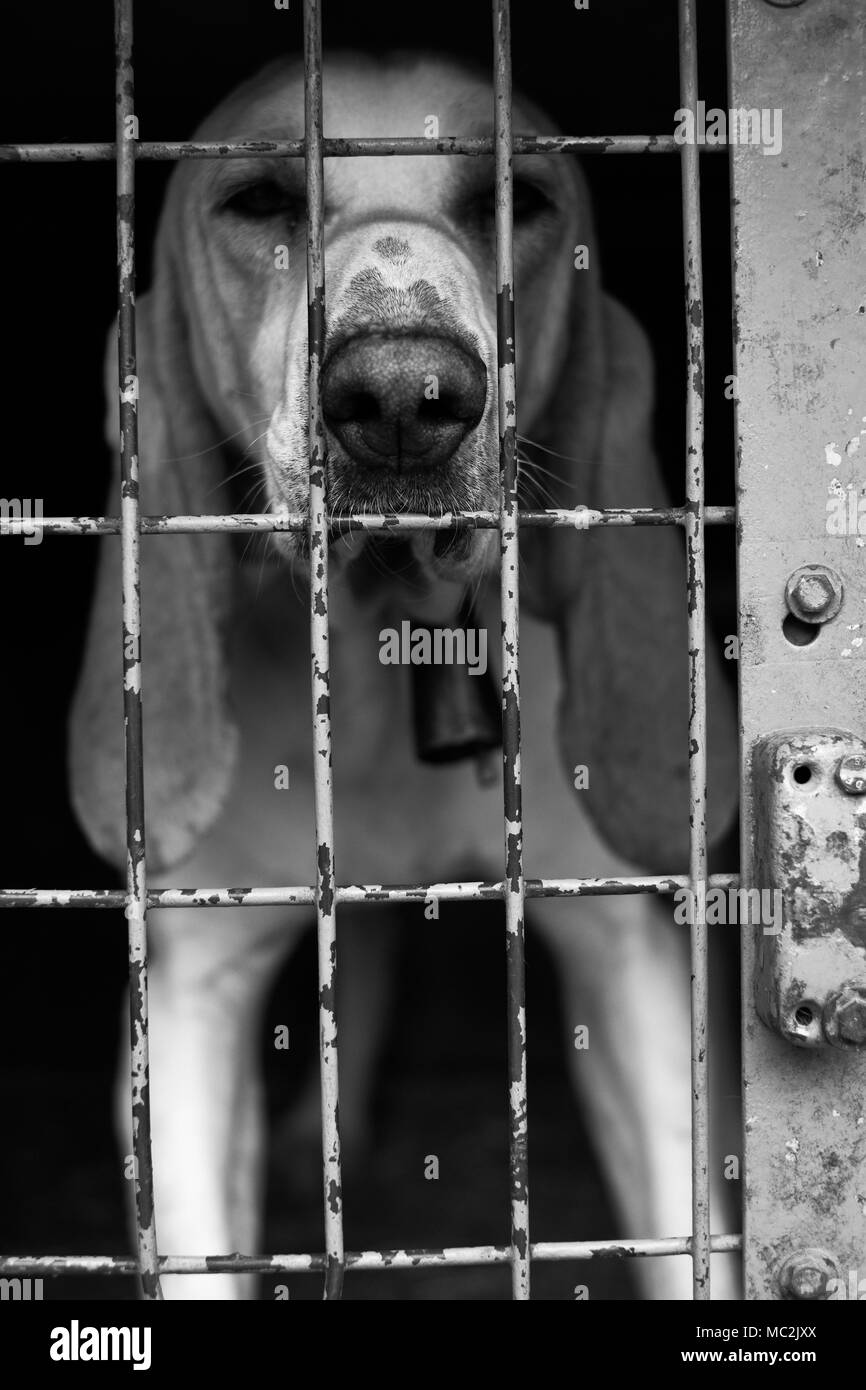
132	671
799	252
695	577
810	845
455	1255
469	891
509	587
72	152
581	518
326	907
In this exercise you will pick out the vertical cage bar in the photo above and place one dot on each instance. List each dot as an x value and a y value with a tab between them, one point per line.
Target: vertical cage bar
514	881
696	575
125	135
319	635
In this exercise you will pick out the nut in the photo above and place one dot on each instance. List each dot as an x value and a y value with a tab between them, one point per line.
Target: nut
851	774
806	1275
814	593
845	1017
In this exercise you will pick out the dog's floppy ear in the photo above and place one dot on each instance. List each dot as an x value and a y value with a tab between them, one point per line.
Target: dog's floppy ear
618	598
189	741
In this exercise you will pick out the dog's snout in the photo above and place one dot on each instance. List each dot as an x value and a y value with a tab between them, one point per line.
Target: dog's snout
403	401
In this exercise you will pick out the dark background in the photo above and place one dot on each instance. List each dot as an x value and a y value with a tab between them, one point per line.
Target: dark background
612	69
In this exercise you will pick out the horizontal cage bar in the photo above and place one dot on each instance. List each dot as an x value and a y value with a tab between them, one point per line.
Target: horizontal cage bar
303	896
80	152
580	518
363	1260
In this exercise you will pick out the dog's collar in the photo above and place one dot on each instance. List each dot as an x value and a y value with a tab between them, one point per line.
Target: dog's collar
456	710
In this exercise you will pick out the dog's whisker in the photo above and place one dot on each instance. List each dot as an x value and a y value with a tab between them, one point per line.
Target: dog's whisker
566	458
232	477
227	439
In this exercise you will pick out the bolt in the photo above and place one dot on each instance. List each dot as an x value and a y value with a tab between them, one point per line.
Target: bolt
814	593
851	774
845	1017
806	1275
807	1281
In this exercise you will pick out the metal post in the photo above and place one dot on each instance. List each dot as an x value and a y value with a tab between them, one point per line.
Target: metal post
514	882
136	909
319	632
695	568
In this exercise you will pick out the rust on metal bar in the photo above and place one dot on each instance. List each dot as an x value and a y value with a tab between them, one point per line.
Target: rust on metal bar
78	152
509	562
129	541
473	890
366	1260
581	518
319	636
696	571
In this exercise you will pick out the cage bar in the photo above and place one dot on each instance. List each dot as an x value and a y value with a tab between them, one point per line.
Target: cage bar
696	578
469	891
581	518
509	588
87	151
319	633
362	1260
136	907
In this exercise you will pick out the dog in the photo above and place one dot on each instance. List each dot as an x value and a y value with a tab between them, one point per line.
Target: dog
222	352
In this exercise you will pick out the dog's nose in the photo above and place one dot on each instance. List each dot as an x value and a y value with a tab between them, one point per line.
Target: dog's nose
403	401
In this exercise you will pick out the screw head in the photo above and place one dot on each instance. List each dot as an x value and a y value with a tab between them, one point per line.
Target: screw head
844	1017
806	1275
814	593
851	774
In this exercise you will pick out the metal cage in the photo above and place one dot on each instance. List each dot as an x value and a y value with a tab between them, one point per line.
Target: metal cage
513	888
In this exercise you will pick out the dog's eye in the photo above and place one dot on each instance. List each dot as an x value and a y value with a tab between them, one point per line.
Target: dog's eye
265	198
529	200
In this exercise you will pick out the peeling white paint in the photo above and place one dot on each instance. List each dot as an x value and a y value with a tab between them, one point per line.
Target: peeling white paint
832	456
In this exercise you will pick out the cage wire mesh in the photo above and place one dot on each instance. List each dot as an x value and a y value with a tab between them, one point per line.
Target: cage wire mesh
325	895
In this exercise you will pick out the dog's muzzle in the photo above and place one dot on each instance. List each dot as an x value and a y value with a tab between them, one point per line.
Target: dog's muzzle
403	401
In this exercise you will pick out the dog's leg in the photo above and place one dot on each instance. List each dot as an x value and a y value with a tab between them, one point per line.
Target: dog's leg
368	951
625	975
208	978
